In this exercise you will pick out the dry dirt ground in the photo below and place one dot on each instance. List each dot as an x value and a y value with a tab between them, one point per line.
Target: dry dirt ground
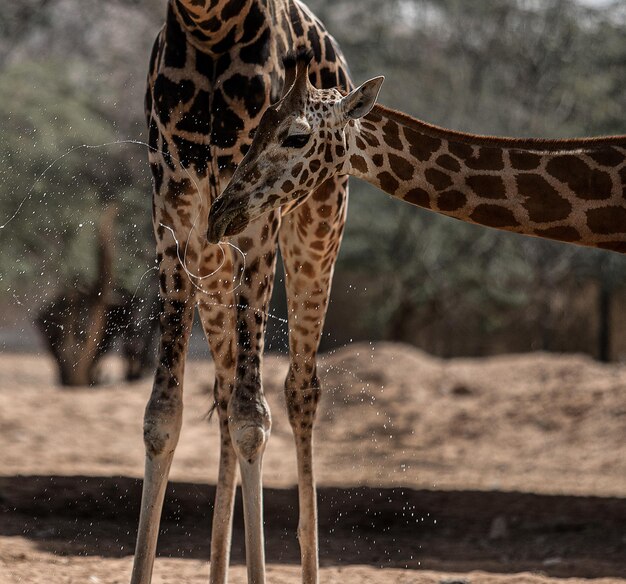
506	470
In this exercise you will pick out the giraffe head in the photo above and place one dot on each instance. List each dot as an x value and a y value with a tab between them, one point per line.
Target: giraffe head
300	143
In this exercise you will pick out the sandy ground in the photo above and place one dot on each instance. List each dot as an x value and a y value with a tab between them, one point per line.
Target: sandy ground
508	469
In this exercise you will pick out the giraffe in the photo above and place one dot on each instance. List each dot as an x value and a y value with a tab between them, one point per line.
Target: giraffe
567	190
215	67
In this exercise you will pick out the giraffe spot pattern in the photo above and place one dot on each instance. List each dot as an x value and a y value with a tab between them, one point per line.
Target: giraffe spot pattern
360	144
371	139
487	186
439	180
250	89
585	182
252	24
168	95
563	233
619	246
190	153
486	159
392	135
374	117
460	150
418	196
388	182
524	160
175	51
448	162
607	220
328	153
297	169
194	119
494	216
542	201
609	157
421	146
451	200
226	124
401	167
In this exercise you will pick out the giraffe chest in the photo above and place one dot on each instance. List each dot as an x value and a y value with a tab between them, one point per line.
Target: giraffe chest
209	119
204	106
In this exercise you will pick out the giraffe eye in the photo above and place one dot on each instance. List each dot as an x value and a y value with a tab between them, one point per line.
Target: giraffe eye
296	141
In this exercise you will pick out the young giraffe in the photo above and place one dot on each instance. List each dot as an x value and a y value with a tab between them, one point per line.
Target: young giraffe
215	66
568	190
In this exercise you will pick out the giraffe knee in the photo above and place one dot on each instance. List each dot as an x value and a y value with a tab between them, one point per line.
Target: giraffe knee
162	422
249	424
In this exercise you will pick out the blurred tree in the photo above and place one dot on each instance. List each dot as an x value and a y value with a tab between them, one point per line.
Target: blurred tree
59	169
53	188
513	67
81	323
517	67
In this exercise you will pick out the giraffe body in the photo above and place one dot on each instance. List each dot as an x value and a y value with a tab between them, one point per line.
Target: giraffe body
215	67
568	190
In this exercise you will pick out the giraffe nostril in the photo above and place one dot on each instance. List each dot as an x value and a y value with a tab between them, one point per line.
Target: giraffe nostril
227	216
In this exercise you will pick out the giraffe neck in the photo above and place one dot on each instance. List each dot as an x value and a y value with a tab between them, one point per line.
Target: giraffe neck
569	190
216	25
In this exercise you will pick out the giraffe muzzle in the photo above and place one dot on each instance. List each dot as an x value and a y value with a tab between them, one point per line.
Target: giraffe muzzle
226	218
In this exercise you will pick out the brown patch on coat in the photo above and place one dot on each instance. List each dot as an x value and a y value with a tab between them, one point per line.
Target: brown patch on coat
494	216
358	163
487	186
608	157
402	168
451	200
418	197
521	160
562	233
421	146
388	182
607	220
448	162
439	180
543	202
392	135
585	182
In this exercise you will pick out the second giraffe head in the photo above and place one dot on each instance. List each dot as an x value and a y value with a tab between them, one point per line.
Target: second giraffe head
300	143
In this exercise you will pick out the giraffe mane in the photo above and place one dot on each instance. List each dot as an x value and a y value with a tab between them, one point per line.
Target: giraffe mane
537	144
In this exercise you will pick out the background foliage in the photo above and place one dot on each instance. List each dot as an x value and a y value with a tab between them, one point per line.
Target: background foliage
72	73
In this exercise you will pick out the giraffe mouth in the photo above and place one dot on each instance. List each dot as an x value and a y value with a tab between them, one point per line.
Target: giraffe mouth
225	222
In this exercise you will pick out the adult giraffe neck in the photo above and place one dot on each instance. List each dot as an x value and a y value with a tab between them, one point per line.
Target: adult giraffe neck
568	190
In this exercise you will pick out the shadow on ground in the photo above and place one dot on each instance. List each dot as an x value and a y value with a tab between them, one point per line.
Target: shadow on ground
561	536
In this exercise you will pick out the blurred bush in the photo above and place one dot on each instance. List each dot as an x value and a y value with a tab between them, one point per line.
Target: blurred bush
72	72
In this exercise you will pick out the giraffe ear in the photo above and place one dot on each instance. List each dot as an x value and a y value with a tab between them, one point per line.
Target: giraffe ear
360	101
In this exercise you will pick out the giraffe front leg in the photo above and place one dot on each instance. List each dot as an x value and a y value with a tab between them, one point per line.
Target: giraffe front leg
309	245
163	416
217	312
249	418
